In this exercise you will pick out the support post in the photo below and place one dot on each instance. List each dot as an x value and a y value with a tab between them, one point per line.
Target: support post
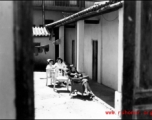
80	45
118	93
61	45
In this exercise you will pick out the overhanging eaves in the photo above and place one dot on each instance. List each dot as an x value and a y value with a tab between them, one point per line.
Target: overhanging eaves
96	9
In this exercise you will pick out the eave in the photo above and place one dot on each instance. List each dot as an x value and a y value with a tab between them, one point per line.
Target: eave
92	11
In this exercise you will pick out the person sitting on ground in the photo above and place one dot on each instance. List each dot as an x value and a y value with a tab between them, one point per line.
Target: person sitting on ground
49	68
73	73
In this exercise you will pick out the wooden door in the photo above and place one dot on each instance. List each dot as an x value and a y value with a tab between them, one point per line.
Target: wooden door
56	32
94	60
73	52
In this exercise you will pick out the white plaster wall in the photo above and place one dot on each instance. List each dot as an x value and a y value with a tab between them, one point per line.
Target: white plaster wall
106	32
61	45
91	32
80	45
109	37
7	78
70	34
42	57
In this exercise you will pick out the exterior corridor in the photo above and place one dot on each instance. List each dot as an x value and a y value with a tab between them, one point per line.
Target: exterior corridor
52	105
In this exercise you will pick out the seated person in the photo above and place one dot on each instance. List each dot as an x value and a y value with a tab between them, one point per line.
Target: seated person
74	73
60	65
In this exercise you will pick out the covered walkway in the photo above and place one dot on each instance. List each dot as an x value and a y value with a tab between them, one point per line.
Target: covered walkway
52	105
103	93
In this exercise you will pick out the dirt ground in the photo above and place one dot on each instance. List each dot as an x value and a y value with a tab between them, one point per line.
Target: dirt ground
53	105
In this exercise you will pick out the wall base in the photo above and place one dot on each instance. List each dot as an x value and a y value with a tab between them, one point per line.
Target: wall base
118	104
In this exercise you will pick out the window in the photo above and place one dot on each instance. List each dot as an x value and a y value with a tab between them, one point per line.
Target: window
62	3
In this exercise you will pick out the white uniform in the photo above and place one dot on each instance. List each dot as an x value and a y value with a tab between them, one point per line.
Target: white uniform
60	66
48	70
48	67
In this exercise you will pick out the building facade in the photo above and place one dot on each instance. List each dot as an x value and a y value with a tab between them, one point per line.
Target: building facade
93	43
17	93
45	12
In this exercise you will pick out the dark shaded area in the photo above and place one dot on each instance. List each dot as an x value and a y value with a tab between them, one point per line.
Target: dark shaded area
37	44
24	47
70	26
94	60
128	57
91	21
146	43
146	100
56	86
82	97
48	21
103	92
56	33
40	67
74	52
63	91
77	86
145	114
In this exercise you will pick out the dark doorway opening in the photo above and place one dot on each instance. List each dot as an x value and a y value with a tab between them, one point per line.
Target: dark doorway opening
73	52
94	60
56	32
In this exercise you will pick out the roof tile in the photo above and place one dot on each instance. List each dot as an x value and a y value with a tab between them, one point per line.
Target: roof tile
40	31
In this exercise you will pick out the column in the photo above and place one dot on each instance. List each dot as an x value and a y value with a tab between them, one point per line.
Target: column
129	8
61	45
80	45
24	62
118	93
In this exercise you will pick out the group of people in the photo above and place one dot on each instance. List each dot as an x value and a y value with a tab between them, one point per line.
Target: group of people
70	71
59	65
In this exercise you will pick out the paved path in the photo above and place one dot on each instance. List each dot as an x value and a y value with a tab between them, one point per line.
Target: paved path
52	105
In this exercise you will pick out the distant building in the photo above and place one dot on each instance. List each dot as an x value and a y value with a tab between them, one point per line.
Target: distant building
46	12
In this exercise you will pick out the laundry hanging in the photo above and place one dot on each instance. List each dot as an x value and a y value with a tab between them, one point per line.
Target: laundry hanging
36	51
45	48
37	44
40	49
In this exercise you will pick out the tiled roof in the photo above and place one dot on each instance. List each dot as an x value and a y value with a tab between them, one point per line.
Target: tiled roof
40	31
96	9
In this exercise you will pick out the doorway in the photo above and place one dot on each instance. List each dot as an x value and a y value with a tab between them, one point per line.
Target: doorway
94	60
56	32
73	53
